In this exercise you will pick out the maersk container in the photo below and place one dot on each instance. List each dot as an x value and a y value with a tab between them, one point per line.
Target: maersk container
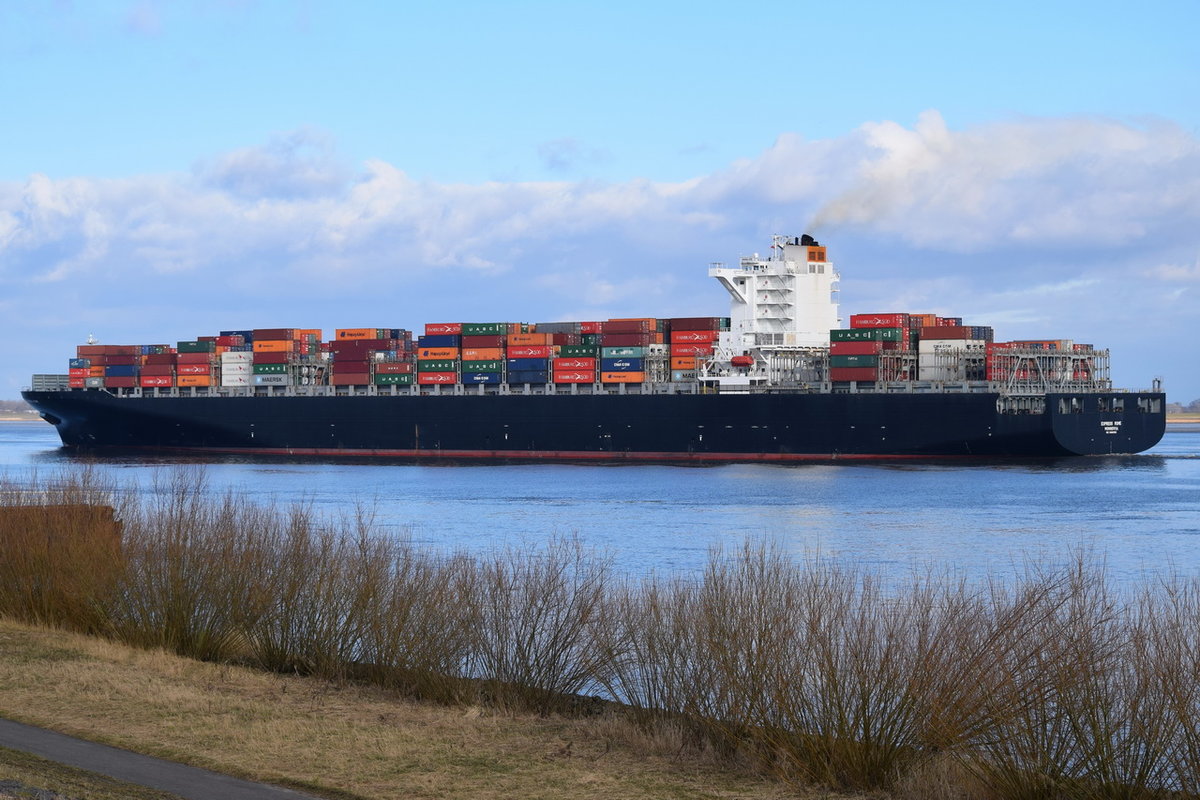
622	352
854	361
270	369
272	380
526	364
394	379
482	366
621	365
484	328
528	375
473	378
683	376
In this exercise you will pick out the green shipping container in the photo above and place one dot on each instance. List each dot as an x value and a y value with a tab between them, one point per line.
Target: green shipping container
270	369
437	366
483	366
484	328
394	380
578	351
622	352
865	335
589	338
854	361
196	347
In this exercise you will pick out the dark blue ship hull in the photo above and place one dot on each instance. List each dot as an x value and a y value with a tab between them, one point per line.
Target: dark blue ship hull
609	427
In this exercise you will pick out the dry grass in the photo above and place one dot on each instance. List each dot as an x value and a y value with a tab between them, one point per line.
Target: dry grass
26	776
336	737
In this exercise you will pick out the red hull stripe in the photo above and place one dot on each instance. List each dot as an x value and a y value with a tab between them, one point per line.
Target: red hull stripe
547	455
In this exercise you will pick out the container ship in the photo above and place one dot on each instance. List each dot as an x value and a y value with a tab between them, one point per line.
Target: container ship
780	379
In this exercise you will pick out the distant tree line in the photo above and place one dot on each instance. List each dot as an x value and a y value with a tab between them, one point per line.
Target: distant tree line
14	407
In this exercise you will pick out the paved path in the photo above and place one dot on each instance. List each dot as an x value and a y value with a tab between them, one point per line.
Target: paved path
189	782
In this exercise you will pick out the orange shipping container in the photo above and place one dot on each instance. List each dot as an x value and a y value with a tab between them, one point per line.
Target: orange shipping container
622	377
482	353
95	372
273	346
355	333
437	353
683	362
195	380
530	338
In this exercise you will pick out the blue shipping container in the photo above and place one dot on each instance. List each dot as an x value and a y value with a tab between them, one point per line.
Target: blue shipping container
529	376
247	335
440	340
121	371
620	365
79	363
480	377
527	364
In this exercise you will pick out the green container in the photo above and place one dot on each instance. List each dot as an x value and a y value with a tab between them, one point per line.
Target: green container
623	352
578	351
589	339
854	361
866	335
270	369
484	328
437	366
483	366
394	380
196	347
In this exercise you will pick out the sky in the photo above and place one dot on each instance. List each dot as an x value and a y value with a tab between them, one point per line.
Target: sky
171	169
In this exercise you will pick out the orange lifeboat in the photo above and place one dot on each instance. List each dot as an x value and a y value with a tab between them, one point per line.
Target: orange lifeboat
742	361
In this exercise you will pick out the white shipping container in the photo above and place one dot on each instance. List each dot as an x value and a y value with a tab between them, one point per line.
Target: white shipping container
235	380
237	357
237	368
951	345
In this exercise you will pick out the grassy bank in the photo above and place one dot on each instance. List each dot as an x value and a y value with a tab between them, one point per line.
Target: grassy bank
1057	684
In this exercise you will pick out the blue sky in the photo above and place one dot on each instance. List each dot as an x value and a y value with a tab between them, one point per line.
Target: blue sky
171	168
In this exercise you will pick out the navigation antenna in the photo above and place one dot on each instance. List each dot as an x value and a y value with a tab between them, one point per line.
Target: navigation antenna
92	338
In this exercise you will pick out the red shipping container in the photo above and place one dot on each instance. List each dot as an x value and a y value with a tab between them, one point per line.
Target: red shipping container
112	382
483	341
879	320
351	367
691	349
441	328
853	374
626	326
624	339
161	358
272	358
857	348
231	341
157	381
194	358
79	372
350	379
564	338
121	361
693	337
946	332
573	363
531	351
263	334
575	376
695	323
160	369
431	378
76	383
590	327
393	368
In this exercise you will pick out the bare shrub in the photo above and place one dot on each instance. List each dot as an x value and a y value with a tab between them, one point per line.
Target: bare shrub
532	622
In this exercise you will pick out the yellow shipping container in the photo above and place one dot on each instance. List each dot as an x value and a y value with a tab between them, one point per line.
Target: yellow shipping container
195	380
622	377
437	353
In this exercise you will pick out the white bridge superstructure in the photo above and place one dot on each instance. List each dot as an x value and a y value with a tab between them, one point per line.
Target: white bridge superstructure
787	300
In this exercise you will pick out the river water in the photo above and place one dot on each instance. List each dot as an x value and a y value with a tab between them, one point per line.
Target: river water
1137	512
